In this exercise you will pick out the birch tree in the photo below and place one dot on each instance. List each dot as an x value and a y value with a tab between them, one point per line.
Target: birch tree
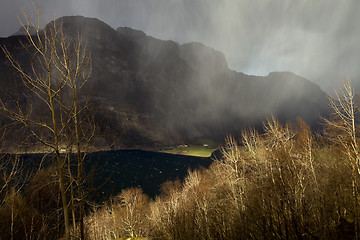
59	67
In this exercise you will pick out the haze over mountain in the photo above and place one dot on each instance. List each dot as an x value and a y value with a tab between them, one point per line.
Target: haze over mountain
314	39
162	92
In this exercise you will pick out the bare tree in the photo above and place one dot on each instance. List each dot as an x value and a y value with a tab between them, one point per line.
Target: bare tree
251	140
342	130
133	204
12	180
59	68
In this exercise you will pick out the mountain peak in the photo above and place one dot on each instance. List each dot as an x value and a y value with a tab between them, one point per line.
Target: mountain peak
164	92
85	25
22	31
203	58
133	33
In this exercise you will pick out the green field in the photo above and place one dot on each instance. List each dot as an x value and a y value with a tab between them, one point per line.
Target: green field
198	151
131	238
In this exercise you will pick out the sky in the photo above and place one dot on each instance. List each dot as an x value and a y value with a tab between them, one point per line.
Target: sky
316	39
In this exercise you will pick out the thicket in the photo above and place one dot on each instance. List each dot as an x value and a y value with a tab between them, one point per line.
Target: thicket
287	183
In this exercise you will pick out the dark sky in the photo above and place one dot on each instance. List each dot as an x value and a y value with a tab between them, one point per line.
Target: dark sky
317	39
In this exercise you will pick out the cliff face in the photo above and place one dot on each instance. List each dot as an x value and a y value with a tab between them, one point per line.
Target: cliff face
149	91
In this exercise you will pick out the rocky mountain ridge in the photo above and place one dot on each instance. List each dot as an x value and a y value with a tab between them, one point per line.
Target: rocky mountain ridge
151	92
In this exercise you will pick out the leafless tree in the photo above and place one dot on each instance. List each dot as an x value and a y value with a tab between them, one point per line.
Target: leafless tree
342	130
58	71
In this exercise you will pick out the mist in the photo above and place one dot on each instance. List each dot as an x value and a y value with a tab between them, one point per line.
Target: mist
315	39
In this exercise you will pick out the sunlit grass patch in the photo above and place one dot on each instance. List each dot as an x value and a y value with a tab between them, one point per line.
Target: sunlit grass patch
198	151
131	238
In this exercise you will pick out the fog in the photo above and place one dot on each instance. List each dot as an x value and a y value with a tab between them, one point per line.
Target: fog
318	40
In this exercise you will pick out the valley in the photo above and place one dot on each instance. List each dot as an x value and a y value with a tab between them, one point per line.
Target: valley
109	132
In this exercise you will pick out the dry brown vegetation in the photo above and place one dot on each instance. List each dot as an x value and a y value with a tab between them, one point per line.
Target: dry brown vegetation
283	184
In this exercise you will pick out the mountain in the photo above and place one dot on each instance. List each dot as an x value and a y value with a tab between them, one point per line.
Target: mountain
151	92
23	31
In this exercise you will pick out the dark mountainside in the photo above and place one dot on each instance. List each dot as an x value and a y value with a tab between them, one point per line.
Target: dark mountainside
22	31
149	92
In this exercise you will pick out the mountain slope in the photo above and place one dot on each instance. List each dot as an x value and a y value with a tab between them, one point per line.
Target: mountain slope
161	92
